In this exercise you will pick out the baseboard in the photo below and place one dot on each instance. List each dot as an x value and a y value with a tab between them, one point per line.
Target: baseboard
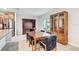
73	44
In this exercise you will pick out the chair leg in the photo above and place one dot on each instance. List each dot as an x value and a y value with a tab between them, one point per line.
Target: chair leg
29	44
56	48
32	46
45	48
39	47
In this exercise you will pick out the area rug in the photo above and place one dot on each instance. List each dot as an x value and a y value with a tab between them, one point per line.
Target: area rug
12	46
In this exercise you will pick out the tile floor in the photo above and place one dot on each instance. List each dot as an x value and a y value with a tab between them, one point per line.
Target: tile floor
23	46
68	47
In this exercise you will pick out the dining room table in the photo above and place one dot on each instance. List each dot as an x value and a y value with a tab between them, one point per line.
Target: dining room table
38	35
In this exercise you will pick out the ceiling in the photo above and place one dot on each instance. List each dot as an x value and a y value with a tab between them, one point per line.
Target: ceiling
29	11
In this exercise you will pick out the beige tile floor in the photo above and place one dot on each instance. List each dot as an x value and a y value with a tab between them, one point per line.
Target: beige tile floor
68	47
24	46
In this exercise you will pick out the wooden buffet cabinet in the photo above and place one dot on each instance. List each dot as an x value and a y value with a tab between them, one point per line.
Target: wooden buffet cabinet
59	26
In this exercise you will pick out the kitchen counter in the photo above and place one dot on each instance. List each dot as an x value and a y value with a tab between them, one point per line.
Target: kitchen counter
4	32
5	37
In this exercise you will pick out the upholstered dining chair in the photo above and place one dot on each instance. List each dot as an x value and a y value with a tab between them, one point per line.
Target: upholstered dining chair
32	29
49	43
31	40
42	31
49	32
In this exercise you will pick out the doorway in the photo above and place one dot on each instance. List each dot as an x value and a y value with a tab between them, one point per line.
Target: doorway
28	24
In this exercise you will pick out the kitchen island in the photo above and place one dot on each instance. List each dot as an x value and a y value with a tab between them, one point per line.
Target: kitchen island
5	37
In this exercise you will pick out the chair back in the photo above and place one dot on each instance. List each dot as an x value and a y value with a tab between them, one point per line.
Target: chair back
51	42
32	29
42	31
49	32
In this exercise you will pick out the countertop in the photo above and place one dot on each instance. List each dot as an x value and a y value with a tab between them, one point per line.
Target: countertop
4	32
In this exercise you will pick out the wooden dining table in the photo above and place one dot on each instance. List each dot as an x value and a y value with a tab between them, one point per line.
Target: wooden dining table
37	35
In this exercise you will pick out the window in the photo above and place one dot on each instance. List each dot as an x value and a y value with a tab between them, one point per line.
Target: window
47	24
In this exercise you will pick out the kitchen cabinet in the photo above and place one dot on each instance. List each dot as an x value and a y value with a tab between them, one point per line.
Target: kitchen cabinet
5	37
2	43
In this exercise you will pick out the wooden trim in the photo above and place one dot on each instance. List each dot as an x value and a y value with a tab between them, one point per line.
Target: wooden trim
28	20
55	14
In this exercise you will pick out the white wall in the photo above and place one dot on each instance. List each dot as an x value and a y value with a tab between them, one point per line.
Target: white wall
73	24
41	20
18	23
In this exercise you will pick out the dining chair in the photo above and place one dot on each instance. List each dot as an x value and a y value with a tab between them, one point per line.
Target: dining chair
42	31
49	32
49	43
32	29
31	41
